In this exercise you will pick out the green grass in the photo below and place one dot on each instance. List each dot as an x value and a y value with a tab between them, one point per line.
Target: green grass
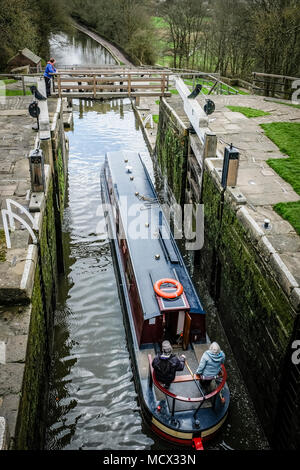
286	136
209	84
290	211
161	30
159	22
297	106
8	81
155	118
4	92
248	112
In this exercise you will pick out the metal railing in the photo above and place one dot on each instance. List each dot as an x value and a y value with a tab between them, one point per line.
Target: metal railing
221	381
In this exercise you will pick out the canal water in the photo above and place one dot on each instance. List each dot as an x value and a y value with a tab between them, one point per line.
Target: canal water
77	48
93	403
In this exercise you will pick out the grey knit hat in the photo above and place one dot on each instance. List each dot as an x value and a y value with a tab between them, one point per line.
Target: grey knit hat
166	347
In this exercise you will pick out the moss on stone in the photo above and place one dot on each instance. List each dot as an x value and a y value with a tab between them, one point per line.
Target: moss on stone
171	151
48	249
256	313
2	246
59	168
31	413
28	430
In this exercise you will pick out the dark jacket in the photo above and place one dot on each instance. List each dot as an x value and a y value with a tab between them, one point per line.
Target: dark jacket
166	366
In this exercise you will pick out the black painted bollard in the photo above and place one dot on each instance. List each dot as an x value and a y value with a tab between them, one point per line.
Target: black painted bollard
230	167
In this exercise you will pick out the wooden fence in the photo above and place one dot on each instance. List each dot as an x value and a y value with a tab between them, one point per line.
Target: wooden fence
279	86
111	83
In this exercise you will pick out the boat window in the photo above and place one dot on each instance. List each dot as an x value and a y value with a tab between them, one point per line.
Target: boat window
180	303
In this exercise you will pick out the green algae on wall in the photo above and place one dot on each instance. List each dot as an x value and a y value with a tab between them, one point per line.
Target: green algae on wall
30	418
171	151
32	410
48	250
29	434
2	246
59	169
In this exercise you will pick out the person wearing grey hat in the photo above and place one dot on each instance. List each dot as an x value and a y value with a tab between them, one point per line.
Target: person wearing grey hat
167	364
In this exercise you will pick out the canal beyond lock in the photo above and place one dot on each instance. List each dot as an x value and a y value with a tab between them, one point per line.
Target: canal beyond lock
93	403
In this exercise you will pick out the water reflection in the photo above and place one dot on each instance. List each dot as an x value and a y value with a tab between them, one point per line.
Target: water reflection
93	402
78	49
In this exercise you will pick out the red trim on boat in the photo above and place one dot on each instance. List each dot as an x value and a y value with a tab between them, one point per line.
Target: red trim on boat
187	399
168	437
197	443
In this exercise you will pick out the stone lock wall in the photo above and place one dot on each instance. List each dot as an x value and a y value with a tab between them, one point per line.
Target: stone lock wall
29	307
172	149
257	298
32	409
256	310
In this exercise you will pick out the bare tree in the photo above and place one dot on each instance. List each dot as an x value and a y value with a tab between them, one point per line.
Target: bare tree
185	20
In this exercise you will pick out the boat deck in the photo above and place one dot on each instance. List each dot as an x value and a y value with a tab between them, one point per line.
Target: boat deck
161	258
187	387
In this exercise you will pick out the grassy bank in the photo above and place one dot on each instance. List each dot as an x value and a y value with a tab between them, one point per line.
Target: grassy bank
5	92
248	112
286	136
161	27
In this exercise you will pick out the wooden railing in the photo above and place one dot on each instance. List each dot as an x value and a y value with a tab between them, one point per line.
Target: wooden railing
111	83
273	85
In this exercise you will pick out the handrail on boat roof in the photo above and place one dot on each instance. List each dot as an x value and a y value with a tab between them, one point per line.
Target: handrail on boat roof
187	379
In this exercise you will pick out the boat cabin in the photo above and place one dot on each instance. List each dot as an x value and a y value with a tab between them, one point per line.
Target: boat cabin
171	309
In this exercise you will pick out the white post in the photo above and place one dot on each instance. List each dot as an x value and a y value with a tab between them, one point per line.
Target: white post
44	132
193	110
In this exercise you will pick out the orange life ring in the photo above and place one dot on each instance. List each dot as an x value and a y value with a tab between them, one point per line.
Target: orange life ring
166	295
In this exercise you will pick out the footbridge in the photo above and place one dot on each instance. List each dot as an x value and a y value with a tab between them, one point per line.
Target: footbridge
122	82
110	82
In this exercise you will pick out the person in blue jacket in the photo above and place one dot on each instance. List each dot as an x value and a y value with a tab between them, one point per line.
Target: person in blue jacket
50	69
210	364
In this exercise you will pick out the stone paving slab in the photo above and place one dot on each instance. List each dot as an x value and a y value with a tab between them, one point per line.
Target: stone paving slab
17	139
11	378
16	348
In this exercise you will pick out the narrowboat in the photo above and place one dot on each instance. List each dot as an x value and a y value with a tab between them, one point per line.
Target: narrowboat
159	302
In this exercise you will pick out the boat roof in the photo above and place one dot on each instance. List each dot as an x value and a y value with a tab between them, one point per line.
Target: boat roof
153	250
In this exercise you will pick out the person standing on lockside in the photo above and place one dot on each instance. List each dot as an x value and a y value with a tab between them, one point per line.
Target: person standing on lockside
48	74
